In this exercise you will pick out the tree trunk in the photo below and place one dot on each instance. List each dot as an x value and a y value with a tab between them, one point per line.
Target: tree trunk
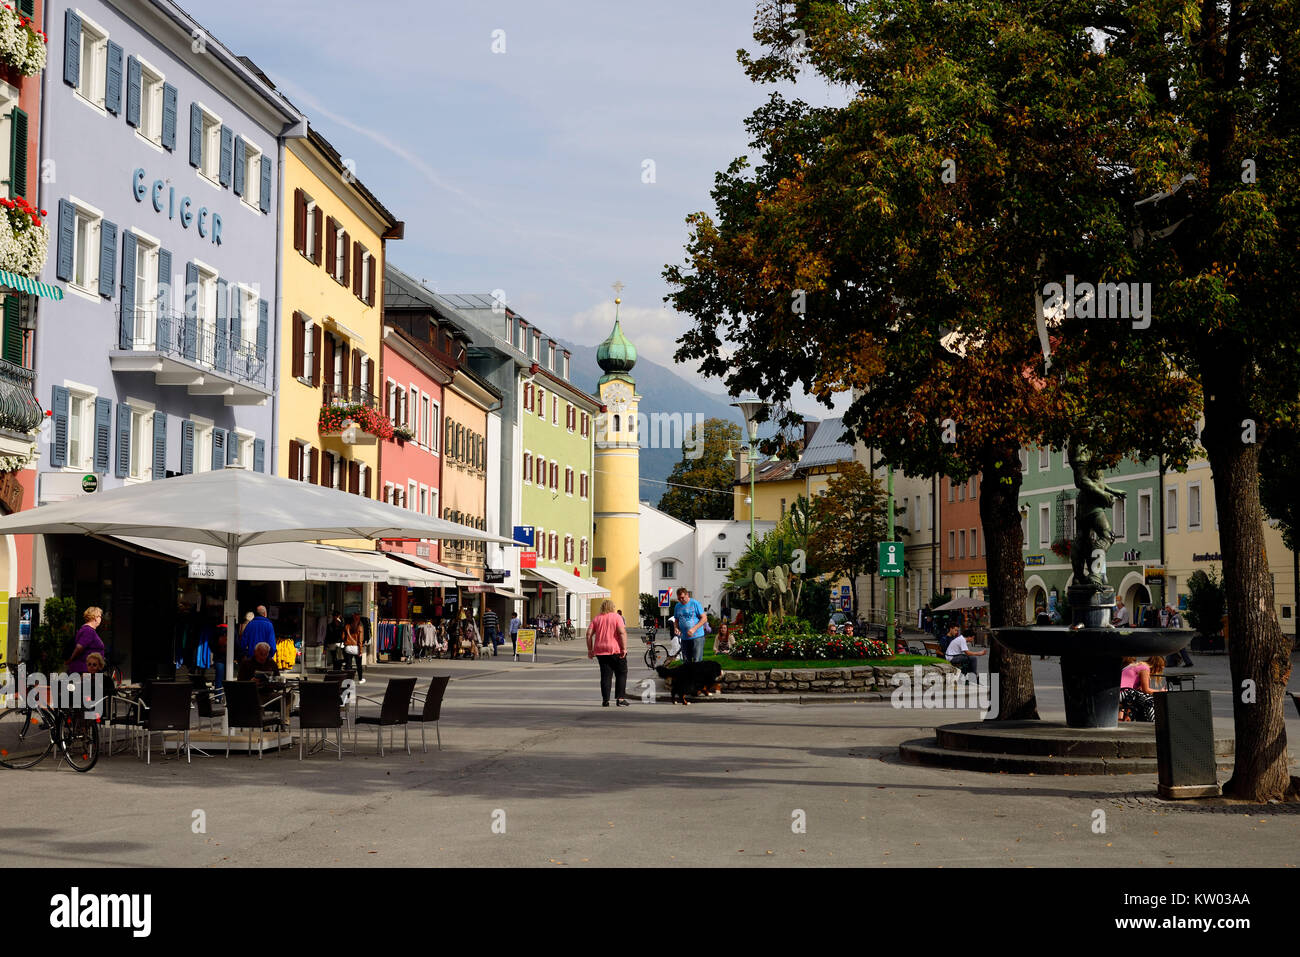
1000	516
1259	655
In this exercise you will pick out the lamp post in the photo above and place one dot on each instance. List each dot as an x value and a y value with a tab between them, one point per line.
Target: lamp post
749	408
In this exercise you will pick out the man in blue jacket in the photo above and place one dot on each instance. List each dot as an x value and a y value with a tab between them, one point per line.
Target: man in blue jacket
258	630
688	623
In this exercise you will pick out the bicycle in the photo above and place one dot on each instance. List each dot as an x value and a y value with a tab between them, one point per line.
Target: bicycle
22	745
657	654
566	631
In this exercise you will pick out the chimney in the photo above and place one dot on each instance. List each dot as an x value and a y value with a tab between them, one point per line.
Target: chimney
742	461
809	427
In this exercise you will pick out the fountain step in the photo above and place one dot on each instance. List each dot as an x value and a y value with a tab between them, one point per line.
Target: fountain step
1051	739
925	751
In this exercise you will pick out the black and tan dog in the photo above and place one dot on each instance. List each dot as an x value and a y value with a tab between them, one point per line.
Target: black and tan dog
691	678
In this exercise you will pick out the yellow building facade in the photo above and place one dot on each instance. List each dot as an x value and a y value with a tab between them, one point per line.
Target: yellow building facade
332	323
616	500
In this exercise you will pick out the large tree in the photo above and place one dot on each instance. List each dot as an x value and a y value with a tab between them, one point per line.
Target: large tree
892	246
701	484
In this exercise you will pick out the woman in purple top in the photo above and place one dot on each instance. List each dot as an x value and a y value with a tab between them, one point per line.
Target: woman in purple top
87	641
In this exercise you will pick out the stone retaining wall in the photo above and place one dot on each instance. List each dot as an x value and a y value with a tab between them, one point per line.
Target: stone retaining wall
820	680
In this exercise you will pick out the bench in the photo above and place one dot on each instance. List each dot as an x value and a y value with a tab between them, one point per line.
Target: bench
1175	680
932	648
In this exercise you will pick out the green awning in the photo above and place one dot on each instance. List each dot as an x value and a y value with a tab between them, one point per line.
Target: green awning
12	280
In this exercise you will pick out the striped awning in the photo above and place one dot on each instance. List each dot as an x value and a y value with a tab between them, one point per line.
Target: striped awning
12	280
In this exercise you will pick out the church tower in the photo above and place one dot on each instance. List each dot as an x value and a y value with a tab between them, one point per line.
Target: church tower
616	540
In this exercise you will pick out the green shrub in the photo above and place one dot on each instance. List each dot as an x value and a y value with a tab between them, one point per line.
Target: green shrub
52	641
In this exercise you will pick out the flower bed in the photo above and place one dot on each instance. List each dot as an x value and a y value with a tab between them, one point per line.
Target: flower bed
24	238
22	46
333	417
809	648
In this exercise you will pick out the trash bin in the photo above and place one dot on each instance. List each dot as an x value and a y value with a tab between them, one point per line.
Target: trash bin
1185	745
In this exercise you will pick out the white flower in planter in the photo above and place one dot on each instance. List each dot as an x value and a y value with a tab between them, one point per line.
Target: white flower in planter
20	46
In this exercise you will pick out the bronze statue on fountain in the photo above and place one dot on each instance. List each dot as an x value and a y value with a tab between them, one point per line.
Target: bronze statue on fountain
1090	647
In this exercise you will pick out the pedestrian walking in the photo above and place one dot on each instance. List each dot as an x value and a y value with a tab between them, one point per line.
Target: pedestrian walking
87	641
353	649
515	624
688	623
607	643
334	641
255	632
1175	620
490	628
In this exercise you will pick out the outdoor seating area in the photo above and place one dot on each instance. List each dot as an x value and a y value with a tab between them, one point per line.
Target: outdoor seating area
314	712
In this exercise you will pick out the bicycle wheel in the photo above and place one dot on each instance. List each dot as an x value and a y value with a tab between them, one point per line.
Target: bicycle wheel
649	657
661	655
23	742
79	741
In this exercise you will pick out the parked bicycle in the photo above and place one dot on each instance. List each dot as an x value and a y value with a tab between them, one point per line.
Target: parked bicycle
566	631
657	654
28	734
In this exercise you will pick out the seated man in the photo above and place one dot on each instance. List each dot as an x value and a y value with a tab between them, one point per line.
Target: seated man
960	654
954	631
261	661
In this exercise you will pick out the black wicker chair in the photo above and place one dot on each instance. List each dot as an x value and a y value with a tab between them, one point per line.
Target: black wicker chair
393	710
319	709
432	709
244	709
168	712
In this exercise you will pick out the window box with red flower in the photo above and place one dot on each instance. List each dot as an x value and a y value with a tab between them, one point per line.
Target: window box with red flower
356	424
22	45
1061	549
24	237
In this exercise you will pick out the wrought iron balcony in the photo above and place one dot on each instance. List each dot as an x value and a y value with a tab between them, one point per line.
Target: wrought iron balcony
189	351
20	413
352	395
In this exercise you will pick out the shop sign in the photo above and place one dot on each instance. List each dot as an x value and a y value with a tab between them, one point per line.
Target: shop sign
1207	557
209	226
524	534
978	580
526	642
527	559
1035	559
494	576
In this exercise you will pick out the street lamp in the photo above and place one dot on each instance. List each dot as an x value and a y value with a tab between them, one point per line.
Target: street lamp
749	408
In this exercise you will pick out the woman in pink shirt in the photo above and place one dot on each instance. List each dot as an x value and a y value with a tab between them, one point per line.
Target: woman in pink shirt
1135	692
607	642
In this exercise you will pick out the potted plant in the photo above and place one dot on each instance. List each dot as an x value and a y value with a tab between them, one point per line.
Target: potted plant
22	46
24	237
402	434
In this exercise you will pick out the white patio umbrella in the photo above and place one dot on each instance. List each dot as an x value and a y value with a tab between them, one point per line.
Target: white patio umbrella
231	508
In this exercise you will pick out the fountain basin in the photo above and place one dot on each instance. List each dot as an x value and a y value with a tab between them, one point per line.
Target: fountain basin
1091	662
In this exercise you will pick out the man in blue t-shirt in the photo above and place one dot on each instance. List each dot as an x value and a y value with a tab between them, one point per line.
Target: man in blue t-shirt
688	623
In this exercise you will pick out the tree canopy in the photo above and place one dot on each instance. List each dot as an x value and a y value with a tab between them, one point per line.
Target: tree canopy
701	487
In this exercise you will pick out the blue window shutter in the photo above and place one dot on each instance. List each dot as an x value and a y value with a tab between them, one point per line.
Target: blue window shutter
160	445
126	328
123	440
190	343
113	81
266	184
232	448
169	117
196	136
259	455
218	448
187	447
134	84
241	161
223	291
67	239
263	318
165	325
107	258
71	47
103	434
59	406
227	150
236	318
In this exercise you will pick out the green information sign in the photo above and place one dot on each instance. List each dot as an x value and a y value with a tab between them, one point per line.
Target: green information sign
891	559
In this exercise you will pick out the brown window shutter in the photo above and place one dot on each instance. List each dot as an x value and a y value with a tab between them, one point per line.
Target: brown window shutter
331	242
298	356
299	221
315	355
370	292
347	260
388	404
317	235
357	252
295	456
343	367
370	376
313	469
401	406
327	469
356	373
354	478
366	490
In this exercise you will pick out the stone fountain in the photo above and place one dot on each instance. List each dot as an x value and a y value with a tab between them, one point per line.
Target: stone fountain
1090	649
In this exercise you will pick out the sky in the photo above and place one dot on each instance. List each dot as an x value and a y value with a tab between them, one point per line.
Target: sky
523	171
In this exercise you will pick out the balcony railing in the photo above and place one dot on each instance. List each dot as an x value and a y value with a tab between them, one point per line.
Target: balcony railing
352	395
159	328
19	410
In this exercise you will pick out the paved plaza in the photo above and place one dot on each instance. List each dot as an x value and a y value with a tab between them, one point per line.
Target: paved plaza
535	773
